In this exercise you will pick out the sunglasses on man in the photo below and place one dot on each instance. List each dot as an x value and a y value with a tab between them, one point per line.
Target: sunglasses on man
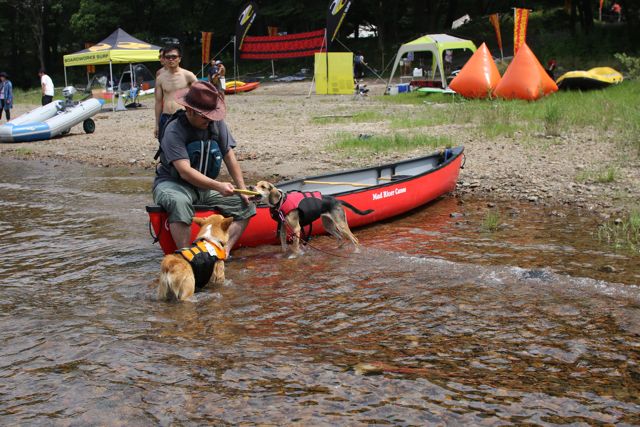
171	57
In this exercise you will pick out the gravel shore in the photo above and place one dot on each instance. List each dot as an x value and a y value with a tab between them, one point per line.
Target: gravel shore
278	139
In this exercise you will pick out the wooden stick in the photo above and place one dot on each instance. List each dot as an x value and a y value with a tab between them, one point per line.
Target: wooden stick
247	192
353	184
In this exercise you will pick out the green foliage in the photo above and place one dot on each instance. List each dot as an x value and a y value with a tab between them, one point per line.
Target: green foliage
631	64
491	221
622	233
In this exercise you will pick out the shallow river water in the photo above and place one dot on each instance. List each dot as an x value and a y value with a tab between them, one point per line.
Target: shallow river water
434	321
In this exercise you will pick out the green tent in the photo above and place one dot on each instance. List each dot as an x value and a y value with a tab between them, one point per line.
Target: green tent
119	48
436	44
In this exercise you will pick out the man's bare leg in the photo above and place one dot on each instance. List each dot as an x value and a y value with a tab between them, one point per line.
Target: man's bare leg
181	234
235	231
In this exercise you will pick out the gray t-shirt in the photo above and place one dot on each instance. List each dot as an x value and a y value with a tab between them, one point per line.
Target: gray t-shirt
177	134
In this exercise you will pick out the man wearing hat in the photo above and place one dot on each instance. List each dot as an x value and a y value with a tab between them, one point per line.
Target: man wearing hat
181	179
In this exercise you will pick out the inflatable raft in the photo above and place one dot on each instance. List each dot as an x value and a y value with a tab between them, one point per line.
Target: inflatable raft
595	78
235	86
48	121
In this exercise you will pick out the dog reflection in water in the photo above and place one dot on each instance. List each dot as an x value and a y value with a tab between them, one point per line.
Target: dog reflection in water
190	269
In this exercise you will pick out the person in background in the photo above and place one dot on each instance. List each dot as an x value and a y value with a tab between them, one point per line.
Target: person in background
358	66
408	62
47	87
617	9
6	95
168	82
214	78
162	62
222	71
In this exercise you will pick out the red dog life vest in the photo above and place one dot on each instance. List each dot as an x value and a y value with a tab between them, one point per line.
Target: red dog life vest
309	204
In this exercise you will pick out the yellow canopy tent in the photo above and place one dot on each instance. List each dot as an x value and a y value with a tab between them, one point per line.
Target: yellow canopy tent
436	44
119	48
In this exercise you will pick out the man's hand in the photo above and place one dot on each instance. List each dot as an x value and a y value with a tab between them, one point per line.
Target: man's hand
155	132
224	188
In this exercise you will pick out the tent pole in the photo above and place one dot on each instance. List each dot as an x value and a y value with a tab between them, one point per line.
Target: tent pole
65	78
235	65
113	108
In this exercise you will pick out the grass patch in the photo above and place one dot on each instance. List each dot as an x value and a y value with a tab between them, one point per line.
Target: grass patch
384	143
23	151
612	113
602	176
359	117
622	234
491	221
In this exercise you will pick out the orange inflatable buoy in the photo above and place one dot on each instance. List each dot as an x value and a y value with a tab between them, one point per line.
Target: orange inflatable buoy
479	76
525	78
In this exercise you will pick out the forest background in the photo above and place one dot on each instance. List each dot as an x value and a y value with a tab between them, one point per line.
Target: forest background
37	33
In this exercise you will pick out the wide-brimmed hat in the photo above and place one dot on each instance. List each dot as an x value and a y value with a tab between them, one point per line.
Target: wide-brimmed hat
204	98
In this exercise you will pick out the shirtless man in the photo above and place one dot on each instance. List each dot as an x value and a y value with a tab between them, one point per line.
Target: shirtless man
168	82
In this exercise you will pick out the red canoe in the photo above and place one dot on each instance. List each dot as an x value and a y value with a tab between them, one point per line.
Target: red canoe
231	88
389	190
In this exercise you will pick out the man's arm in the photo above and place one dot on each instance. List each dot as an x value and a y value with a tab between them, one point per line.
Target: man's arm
235	171
159	98
42	85
191	78
199	180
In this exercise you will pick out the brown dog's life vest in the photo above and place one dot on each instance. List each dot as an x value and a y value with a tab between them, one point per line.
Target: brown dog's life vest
202	257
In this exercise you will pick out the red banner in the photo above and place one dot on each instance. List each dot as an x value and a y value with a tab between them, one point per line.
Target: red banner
206	46
495	20
278	47
520	28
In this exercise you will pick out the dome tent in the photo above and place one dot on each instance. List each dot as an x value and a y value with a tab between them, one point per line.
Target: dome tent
436	44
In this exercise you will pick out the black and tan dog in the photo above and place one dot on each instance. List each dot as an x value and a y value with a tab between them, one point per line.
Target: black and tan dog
295	209
190	269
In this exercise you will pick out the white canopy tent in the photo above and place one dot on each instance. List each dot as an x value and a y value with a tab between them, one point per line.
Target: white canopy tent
436	44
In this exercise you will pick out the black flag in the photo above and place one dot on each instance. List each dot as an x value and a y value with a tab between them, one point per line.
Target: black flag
335	15
246	18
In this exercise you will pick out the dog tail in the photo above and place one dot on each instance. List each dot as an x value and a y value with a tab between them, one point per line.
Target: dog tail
353	208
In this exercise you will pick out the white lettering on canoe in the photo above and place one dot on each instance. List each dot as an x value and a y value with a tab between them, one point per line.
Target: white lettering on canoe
388	193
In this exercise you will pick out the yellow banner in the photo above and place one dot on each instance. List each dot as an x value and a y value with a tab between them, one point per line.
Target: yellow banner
206	46
334	73
495	20
520	28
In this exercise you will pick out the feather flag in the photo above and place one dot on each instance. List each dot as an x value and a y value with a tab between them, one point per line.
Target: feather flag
335	15
246	18
206	46
495	20
520	28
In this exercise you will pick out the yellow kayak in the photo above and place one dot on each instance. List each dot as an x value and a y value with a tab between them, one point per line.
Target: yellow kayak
595	78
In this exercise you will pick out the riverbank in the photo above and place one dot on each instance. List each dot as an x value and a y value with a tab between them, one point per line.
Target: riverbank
283	133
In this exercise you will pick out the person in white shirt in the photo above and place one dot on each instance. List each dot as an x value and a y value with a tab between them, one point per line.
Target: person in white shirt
47	87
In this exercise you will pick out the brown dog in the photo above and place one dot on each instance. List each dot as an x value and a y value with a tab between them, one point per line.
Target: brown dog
294	210
191	269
